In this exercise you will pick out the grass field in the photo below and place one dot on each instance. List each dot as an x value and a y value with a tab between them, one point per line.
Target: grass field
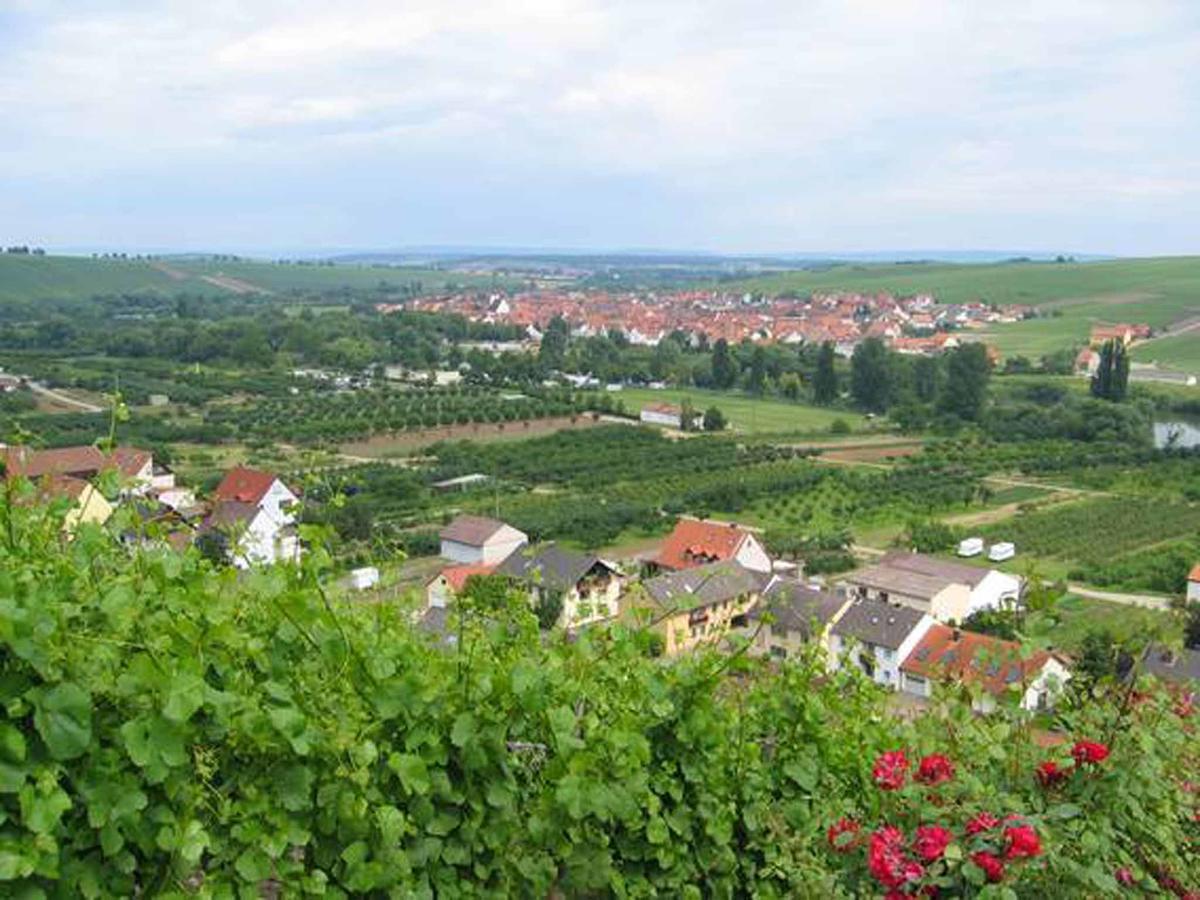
1066	623
1179	351
24	278
753	415
1156	291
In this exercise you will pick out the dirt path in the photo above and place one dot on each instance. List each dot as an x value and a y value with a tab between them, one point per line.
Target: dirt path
1148	601
63	399
1046	486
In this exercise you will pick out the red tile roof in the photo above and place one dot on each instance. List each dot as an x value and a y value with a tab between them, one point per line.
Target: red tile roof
82	461
946	652
1194	575
244	485
456	576
695	543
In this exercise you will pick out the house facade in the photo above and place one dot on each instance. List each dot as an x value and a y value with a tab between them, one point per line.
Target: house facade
876	636
947	655
254	512
700	605
475	540
1193	584
793	614
447	584
696	542
589	587
948	591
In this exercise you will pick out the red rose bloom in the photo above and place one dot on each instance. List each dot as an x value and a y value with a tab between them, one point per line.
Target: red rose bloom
1089	752
1021	841
992	867
843	835
890	770
1049	774
1123	876
886	860
935	769
931	842
985	821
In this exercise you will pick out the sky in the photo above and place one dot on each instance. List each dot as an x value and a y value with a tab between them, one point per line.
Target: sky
741	126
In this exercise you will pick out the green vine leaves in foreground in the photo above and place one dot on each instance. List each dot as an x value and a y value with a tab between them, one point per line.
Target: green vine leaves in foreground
170	728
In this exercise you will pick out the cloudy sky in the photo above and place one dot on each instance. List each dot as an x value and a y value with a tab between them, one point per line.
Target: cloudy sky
743	125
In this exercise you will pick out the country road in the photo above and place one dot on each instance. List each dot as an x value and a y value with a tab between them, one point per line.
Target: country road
63	398
1148	601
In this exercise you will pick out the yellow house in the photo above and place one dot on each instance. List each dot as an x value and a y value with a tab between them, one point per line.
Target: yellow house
89	505
701	605
793	614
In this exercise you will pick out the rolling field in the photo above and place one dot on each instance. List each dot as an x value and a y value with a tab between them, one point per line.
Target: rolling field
30	278
753	415
1156	291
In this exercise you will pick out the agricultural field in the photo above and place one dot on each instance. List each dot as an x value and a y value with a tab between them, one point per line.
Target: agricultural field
751	415
1178	351
1065	624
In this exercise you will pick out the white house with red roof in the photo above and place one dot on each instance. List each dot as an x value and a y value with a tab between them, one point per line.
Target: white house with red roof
1193	587
255	511
696	542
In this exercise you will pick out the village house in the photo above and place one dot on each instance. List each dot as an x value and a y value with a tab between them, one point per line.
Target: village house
588	586
876	636
1087	362
134	467
88	505
253	512
477	540
701	605
793	614
947	590
952	656
446	585
696	542
1193	584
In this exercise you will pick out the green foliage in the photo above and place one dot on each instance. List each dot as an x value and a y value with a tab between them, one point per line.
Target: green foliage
931	536
825	381
714	419
964	392
170	728
1111	381
870	375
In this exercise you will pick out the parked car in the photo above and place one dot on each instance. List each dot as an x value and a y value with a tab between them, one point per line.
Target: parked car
1002	551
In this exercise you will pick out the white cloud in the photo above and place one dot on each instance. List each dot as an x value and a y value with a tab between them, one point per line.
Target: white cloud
762	114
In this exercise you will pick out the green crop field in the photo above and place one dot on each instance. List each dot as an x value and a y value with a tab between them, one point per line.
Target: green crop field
1179	351
1156	291
28	278
755	415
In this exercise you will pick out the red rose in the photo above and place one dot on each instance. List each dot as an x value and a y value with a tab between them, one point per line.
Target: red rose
985	821
843	835
890	770
1089	752
931	842
1123	876
1021	841
886	860
992	867
935	769
1049	774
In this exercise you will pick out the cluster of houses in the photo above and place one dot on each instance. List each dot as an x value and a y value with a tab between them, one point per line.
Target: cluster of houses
897	620
250	516
916	324
1088	359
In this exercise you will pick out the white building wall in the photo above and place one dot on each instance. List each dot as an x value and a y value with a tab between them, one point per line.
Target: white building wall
1193	591
275	503
651	417
752	556
997	590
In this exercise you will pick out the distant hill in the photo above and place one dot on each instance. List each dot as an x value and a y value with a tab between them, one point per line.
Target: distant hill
31	278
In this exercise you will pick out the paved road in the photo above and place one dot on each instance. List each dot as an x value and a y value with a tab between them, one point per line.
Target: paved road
1149	601
63	398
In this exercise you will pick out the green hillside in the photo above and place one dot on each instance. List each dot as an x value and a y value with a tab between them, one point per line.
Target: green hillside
1157	291
26	278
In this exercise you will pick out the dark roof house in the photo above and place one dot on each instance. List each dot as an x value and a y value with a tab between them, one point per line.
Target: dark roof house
551	566
706	585
878	622
473	531
796	607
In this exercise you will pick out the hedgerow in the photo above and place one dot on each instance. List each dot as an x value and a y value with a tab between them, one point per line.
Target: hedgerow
169	728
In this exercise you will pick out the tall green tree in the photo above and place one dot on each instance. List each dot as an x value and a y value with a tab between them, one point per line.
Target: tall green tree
870	378
967	374
553	348
927	378
724	369
825	383
1111	381
757	381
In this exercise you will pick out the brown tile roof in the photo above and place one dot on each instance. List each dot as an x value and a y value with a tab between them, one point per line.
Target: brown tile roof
474	531
694	543
83	461
1194	575
456	576
946	652
244	485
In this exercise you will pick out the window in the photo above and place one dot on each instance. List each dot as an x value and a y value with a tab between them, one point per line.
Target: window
778	652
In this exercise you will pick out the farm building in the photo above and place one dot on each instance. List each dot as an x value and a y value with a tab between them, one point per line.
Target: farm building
876	636
664	414
945	589
478	540
694	542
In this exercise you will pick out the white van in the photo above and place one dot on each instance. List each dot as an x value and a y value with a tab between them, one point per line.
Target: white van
970	546
1002	551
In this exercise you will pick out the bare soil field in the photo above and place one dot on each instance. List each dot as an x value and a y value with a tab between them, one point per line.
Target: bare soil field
400	443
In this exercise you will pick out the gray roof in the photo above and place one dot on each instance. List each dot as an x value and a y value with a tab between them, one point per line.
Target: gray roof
704	585
473	531
879	623
795	606
549	565
916	575
1172	665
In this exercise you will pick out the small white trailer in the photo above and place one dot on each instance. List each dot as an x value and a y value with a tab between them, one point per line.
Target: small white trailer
970	546
1001	551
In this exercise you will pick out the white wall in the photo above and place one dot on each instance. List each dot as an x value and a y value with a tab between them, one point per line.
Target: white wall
657	418
1193	591
596	606
752	556
275	500
997	590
